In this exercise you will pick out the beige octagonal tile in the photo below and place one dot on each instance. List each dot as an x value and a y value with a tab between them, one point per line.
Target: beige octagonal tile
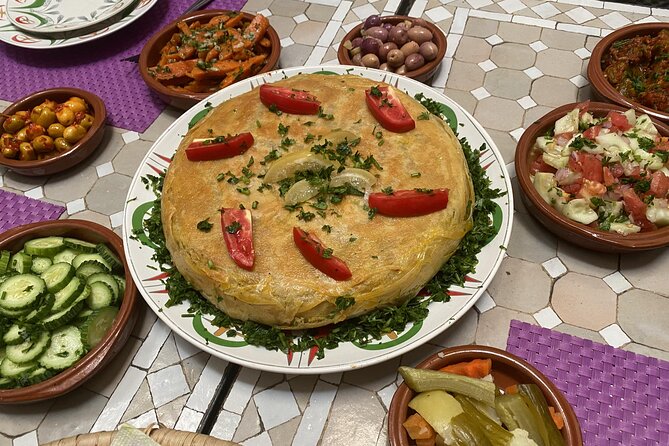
288	7
516	32
551	91
284	26
463	98
513	55
493	329
584	301
108	194
472	49
521	286
505	143
321	13
465	76
559	63
477	27
562	40
585	261
580	332
506	83
308	33
535	113
647	270
643	316
254	6
499	113
530	240
647	351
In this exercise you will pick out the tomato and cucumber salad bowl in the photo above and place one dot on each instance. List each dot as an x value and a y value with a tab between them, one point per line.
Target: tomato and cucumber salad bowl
572	231
95	243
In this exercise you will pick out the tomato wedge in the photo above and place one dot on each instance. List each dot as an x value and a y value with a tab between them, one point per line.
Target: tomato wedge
592	132
388	110
288	100
320	257
619	121
409	203
659	184
219	147
539	165
238	234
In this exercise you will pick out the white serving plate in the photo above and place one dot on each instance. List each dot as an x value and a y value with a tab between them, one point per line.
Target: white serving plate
347	356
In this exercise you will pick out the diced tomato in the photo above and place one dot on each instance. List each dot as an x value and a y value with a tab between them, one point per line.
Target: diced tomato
314	252
592	132
635	173
572	188
636	208
659	185
592	167
609	179
583	107
388	110
289	100
238	234
619	121
226	148
539	165
562	139
662	145
409	203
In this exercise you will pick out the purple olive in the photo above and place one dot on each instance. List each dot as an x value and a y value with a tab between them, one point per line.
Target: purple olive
370	45
357	59
419	34
414	61
370	60
429	51
420	22
388	26
379	32
398	35
395	58
385	48
371	21
409	48
356	42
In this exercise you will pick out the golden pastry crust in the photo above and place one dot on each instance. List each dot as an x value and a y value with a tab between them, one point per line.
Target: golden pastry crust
391	259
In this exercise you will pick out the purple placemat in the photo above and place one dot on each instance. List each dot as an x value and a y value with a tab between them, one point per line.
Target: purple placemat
17	210
619	397
96	66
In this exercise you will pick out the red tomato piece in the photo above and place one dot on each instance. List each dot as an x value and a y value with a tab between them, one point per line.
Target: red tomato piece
592	132
592	167
636	208
388	110
562	139
609	179
314	252
619	121
409	203
289	100
227	148
583	107
238	234
659	184
539	165
573	188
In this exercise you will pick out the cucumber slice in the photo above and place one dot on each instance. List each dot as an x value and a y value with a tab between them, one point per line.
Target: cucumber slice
6	275
107	279
90	267
66	255
6	383
15	314
21	262
81	258
13	335
67	295
36	376
101	296
81	317
5	256
44	247
110	257
121	286
21	291
57	276
28	350
97	325
80	245
10	369
65	349
40	264
63	317
42	310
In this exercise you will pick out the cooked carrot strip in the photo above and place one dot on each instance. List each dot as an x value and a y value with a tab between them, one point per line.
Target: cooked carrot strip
511	389
184	28
217	70
418	428
172	70
234	21
255	30
219	19
265	42
478	368
557	417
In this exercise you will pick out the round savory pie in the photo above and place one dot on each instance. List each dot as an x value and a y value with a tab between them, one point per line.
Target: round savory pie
389	258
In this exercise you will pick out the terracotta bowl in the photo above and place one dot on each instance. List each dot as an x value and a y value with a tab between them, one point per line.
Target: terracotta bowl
150	56
422	74
601	87
96	359
507	370
567	229
79	152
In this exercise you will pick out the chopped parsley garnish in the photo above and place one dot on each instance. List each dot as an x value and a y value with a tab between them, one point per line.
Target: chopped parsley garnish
375	91
423	190
287	142
309	123
271	156
642	186
327	253
646	144
579	142
321	114
274	109
258	124
283	130
352	239
205	225
233	227
254	205
327	228
597	202
415	175
343	302
424	116
244	190
387	190
210	264
309	138
305	216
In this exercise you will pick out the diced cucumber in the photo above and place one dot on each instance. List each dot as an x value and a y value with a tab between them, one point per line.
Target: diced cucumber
67	295
90	267
107	279
79	245
97	325
44	247
101	296
42	310
40	264
10	369
57	276
28	350
21	291
5	256
111	258
21	262
65	349
121	286
63	317
81	258
66	255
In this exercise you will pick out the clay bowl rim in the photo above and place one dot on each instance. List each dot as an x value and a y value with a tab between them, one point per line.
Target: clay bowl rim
34	99
162	36
552	219
112	343
596	75
398	410
438	37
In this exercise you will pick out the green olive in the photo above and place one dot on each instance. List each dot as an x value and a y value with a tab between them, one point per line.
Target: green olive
36	111
62	145
87	121
13	124
74	133
27	153
34	130
23	114
48	103
9	152
75	105
65	115
43	144
21	135
55	130
46	117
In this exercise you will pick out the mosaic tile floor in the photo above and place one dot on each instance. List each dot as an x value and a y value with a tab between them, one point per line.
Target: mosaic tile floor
508	62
